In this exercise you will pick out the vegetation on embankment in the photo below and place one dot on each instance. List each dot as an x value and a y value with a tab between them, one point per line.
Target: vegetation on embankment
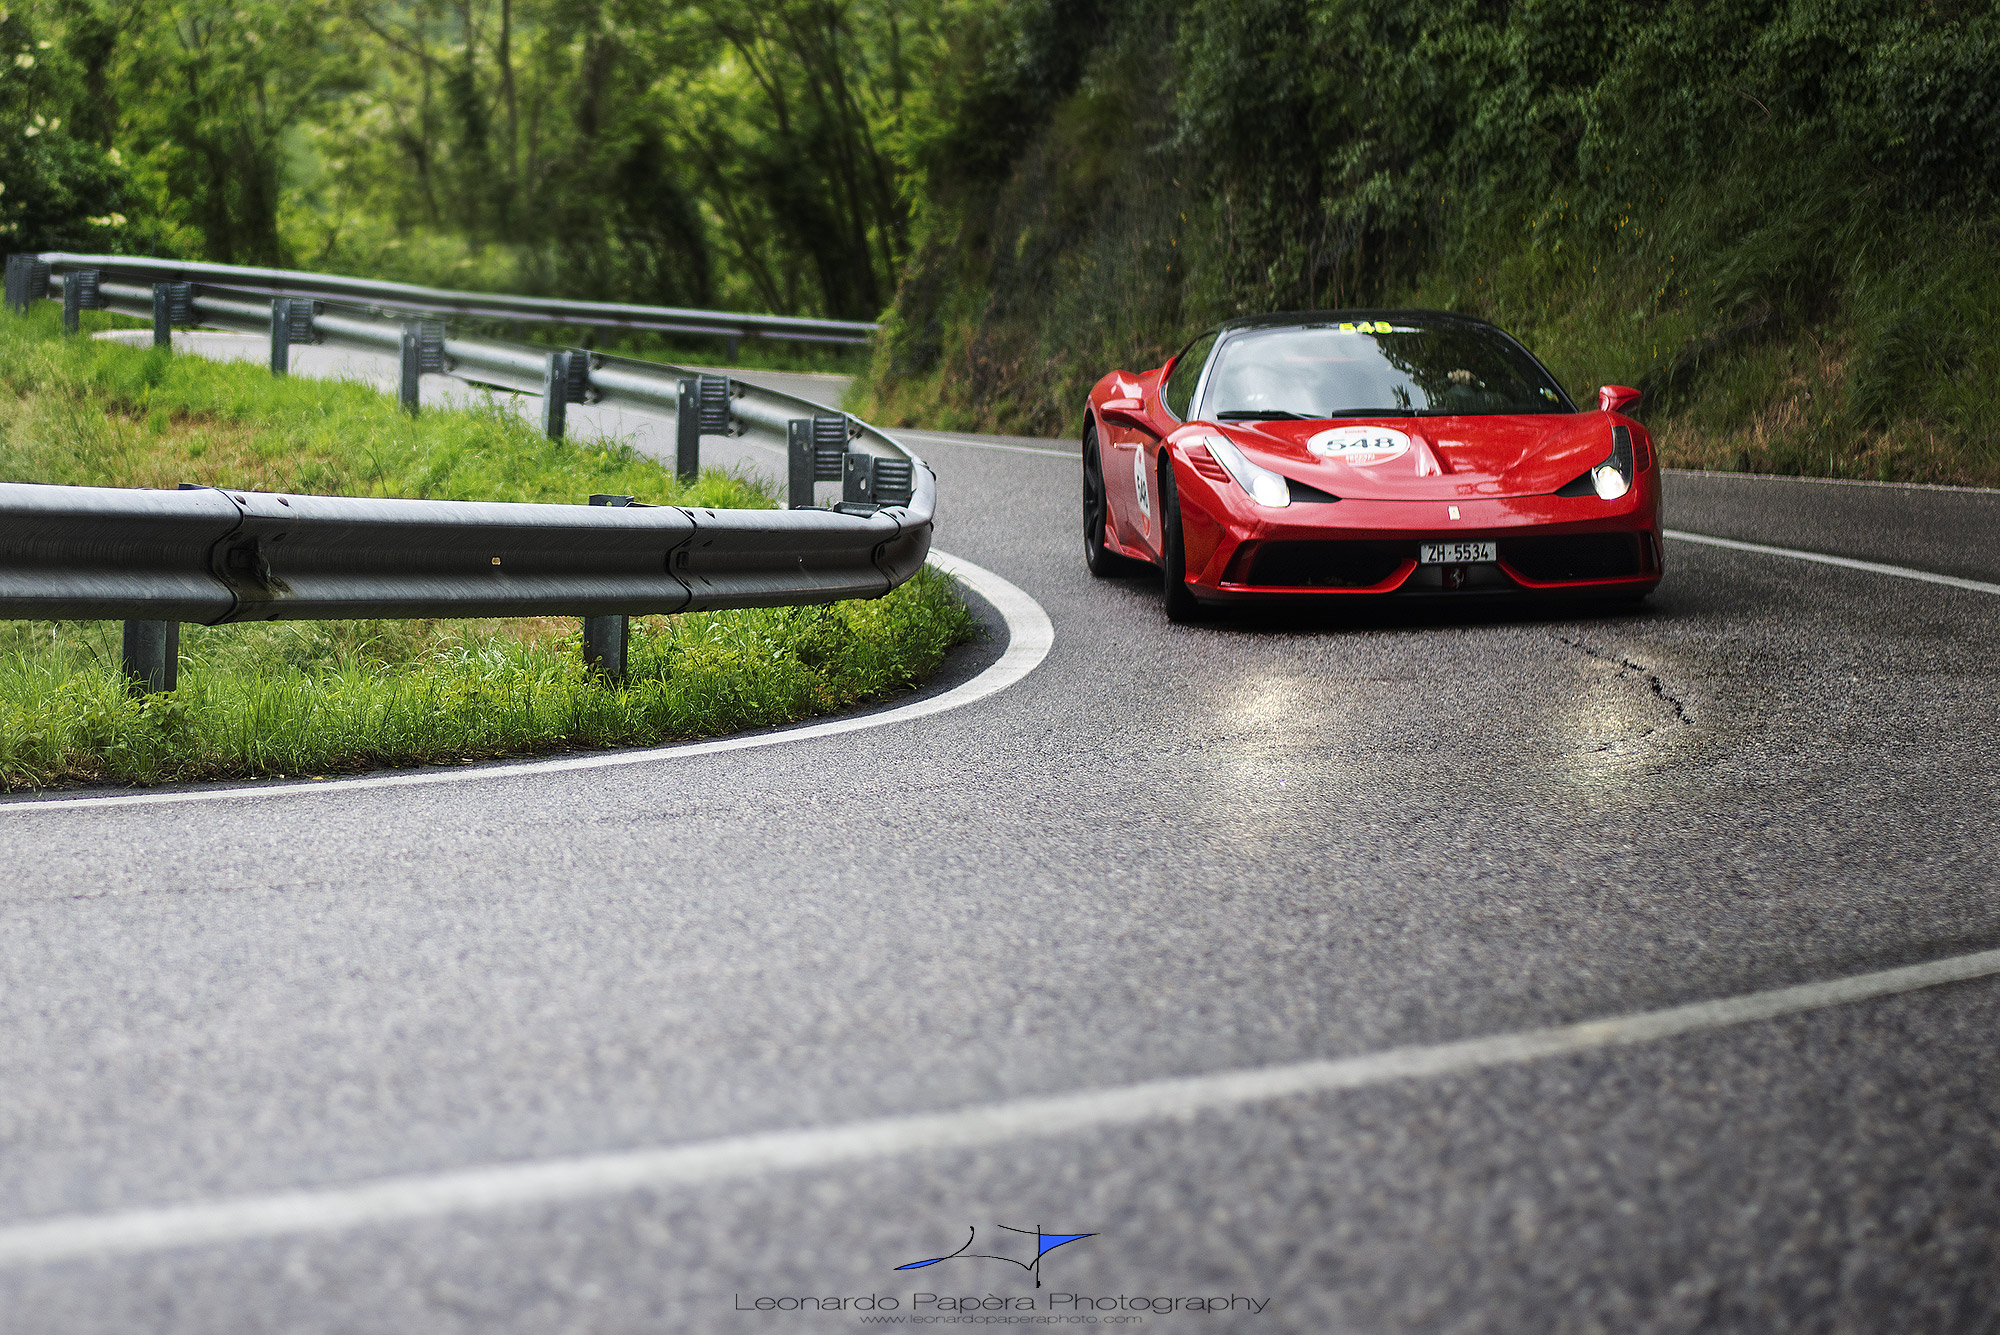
317	698
751	354
719	154
1778	217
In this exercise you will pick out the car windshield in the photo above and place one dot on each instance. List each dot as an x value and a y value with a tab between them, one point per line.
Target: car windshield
1397	367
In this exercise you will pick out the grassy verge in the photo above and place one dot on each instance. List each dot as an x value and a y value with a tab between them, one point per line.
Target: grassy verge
318	698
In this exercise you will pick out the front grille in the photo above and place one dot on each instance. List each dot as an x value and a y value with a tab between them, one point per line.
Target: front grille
1575	556
1354	564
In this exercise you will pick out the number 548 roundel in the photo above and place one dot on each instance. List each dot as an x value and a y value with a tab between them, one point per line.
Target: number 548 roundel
1366	454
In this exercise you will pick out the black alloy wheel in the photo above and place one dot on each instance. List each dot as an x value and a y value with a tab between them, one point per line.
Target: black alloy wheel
1101	560
1181	603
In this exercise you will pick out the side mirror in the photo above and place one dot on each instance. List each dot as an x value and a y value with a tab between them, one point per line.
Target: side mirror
1616	398
1128	413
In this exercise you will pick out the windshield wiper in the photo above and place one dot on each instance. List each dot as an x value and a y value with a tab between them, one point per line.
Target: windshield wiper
1263	415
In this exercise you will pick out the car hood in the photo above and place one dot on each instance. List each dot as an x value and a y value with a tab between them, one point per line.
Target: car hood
1429	458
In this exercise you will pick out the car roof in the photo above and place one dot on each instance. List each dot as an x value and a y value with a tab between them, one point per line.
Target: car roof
1283	319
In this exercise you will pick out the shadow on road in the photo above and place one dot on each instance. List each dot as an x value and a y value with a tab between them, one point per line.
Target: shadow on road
1408	613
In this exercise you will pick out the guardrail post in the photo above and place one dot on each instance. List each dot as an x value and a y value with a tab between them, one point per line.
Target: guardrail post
687	432
281	333
409	392
892	481
816	449
173	304
606	638
27	282
152	656
555	398
857	486
702	408
79	295
876	482
799	461
422	352
32	283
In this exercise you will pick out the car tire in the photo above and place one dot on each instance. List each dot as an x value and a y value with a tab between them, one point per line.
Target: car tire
1098	558
1181	603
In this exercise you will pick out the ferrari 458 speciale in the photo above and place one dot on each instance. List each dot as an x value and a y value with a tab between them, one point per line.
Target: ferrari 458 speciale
1366	454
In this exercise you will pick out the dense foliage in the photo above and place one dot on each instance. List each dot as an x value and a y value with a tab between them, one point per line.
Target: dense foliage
59	189
679	151
1778	216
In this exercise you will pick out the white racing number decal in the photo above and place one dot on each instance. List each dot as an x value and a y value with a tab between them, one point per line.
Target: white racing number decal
1139	486
1360	445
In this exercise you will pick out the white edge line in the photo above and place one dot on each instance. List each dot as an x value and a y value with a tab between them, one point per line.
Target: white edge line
516	1185
1844	562
1832	481
1029	638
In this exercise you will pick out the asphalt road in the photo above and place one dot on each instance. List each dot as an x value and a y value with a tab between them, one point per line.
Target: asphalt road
942	966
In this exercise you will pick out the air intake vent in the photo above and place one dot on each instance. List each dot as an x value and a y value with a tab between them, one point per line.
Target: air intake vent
1354	564
1577	556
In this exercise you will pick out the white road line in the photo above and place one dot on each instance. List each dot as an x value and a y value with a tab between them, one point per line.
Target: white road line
1029	637
519	1185
1829	481
943	439
1844	562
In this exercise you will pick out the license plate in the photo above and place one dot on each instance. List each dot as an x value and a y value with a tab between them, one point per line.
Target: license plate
1456	553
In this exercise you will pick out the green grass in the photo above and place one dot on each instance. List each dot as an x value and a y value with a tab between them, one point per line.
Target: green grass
319	698
107	414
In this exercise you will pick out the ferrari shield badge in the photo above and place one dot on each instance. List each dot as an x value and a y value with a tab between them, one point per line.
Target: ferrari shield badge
1360	445
1139	483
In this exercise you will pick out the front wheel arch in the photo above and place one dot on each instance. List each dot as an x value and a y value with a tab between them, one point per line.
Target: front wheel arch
1098	558
1181	604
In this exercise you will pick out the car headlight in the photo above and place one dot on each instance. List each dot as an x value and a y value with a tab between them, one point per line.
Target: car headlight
1265	487
1613	477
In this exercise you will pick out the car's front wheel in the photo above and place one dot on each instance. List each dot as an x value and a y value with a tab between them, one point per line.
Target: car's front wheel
1101	560
1181	603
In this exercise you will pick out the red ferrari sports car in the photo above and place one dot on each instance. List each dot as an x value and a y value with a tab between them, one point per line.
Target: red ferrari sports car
1360	454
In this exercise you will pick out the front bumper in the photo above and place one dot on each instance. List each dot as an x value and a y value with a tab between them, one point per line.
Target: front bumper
1239	551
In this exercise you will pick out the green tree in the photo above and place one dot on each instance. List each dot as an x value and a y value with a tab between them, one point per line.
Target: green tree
59	190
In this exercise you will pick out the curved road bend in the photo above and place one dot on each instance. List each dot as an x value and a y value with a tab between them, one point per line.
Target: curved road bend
1115	950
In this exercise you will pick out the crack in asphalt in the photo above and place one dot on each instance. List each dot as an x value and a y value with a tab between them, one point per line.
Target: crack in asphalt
1628	667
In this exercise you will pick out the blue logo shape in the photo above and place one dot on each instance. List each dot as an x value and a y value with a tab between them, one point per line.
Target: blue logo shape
1048	1242
1044	1244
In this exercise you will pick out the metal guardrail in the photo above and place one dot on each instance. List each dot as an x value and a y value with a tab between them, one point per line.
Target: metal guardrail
157	559
402	299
